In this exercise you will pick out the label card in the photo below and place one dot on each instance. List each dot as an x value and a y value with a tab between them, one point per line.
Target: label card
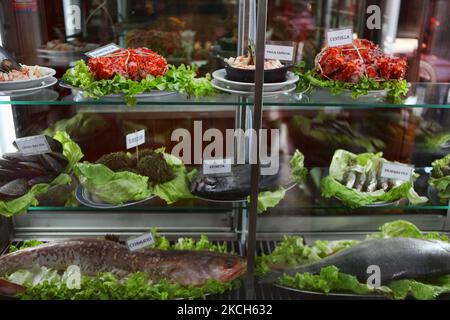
395	171
215	166
140	242
135	139
339	37
33	145
276	52
103	51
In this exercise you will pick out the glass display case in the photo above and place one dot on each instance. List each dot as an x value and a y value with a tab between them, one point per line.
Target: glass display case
197	113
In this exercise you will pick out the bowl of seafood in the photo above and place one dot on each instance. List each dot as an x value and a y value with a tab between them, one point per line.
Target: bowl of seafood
242	69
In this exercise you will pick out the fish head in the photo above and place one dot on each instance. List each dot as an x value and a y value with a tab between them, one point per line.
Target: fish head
227	267
204	183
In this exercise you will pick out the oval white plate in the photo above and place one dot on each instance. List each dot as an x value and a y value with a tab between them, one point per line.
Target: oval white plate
85	198
332	294
223	87
24	84
243	86
79	94
19	92
59	53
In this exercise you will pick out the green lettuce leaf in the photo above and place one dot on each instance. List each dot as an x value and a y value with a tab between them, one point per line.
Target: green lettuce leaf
26	244
439	180
298	170
396	89
405	229
136	286
182	79
269	199
112	187
71	150
20	205
329	280
292	252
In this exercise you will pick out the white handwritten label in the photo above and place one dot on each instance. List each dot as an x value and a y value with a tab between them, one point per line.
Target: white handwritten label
339	37
283	53
215	166
395	171
135	139
103	51
33	145
140	242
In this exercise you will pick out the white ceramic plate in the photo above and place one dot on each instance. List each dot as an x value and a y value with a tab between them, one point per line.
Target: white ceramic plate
58	53
48	82
23	84
87	199
223	87
243	86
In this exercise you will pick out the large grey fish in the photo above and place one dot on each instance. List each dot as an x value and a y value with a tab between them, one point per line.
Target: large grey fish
398	258
96	256
235	185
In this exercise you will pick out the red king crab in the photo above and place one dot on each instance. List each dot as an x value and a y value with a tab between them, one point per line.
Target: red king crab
364	58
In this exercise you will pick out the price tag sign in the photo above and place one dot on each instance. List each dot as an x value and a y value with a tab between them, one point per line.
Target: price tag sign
33	145
140	242
135	139
216	166
339	37
276	52
103	51
396	171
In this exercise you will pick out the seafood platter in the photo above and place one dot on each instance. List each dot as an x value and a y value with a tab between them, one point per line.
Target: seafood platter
17	78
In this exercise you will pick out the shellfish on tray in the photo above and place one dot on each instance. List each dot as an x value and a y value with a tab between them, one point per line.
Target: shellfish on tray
18	172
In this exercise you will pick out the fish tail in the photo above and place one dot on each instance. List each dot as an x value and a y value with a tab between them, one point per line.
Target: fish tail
10	289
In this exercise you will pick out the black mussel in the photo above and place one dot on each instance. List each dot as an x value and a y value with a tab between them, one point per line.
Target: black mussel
14	189
18	157
40	179
32	169
8	164
51	164
8	175
62	159
54	145
7	62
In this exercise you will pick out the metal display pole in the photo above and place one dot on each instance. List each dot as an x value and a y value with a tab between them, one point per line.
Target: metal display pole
257	123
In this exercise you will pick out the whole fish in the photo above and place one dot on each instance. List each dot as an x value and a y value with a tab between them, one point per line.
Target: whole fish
235	185
371	183
94	256
398	258
360	181
350	179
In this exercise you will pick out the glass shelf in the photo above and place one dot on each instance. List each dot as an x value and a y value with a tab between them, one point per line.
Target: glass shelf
303	200
421	95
